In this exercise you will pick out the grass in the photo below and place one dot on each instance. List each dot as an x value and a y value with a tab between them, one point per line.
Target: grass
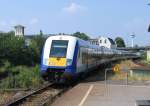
146	62
139	78
144	59
118	76
22	77
134	77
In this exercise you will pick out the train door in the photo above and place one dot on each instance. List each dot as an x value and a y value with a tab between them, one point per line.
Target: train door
87	58
79	60
82	61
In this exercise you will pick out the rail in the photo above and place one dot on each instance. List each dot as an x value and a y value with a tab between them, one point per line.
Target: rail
23	98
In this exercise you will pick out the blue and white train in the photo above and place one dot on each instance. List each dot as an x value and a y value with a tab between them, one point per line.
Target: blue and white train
65	57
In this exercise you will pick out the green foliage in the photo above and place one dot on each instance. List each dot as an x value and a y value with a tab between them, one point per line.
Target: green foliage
120	42
81	35
36	47
25	78
41	32
144	56
137	77
6	66
14	49
16	59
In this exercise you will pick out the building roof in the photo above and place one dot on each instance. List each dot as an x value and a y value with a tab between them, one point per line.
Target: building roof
19	26
111	41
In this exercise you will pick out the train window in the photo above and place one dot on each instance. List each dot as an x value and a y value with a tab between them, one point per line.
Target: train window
59	48
84	56
100	41
96	42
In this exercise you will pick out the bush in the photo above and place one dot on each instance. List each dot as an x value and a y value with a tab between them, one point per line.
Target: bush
36	47
22	77
6	66
17	52
144	56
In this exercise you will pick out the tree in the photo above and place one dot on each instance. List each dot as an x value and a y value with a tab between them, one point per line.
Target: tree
41	32
14	49
120	42
36	45
81	35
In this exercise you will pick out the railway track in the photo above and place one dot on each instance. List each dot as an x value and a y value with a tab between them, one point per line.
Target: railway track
40	97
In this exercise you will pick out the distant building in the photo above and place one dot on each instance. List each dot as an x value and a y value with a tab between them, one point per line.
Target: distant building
19	30
104	42
148	55
94	41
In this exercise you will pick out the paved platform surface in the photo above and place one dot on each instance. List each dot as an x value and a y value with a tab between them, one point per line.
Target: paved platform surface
99	94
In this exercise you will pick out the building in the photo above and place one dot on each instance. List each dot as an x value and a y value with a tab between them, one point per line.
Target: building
148	55
104	42
19	30
94	41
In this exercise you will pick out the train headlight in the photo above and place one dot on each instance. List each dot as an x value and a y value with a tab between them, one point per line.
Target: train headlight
69	62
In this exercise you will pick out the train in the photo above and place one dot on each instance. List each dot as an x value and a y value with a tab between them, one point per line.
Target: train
66	57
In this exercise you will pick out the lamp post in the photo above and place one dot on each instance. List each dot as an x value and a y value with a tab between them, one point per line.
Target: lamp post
149	25
132	40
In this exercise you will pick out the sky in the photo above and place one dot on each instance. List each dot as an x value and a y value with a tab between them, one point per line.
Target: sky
111	18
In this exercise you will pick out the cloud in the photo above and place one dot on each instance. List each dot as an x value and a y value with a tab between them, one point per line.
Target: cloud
33	21
73	8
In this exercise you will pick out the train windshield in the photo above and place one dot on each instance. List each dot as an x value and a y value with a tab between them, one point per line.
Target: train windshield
59	48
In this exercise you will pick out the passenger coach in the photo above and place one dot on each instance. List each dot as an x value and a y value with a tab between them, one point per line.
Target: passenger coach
65	57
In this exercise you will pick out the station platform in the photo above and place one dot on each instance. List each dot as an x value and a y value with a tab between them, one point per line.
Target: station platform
101	94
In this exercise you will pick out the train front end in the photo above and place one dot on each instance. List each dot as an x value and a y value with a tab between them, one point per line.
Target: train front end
59	59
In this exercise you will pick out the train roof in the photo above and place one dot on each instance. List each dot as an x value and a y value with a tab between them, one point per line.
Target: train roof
81	42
